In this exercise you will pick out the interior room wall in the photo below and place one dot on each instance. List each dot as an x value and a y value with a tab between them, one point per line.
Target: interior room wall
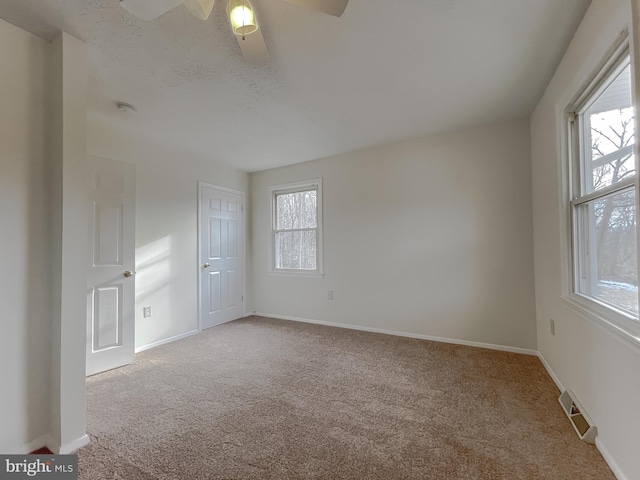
599	366
431	236
166	225
25	294
69	248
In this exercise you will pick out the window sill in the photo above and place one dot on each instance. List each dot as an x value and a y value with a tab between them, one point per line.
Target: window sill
294	273
580	306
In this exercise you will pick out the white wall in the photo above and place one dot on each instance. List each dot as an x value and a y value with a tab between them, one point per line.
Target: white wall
69	207
600	367
431	236
42	214
24	240
166	225
43	217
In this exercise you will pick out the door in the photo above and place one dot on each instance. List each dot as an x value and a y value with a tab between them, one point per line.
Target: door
110	280
221	250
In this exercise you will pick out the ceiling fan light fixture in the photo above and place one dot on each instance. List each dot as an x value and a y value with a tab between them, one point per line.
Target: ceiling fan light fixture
200	8
242	17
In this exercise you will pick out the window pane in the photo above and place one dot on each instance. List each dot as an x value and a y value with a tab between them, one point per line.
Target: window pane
608	267
609	128
296	210
296	250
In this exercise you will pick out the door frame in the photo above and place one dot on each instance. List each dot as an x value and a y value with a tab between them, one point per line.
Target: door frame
243	261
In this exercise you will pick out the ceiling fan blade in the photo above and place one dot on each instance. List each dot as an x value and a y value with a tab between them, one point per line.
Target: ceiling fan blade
332	7
253	48
149	9
200	8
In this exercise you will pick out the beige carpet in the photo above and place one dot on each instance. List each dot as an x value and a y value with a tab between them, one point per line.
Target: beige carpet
260	398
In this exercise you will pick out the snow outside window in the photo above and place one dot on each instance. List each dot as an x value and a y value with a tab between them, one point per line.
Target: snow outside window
604	197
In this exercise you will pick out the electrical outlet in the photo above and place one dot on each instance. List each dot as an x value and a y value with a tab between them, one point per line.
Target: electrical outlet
552	326
330	295
146	312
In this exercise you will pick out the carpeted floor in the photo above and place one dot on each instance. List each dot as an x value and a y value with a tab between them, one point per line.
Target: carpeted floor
269	399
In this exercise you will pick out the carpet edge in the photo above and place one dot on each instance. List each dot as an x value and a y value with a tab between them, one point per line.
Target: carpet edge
419	336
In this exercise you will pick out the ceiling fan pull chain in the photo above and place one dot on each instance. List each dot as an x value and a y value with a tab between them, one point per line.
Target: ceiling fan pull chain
244	11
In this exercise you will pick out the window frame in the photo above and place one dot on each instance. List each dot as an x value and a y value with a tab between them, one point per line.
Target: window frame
295	187
616	319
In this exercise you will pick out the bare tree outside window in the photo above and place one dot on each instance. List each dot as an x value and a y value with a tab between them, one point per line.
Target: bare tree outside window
606	223
296	230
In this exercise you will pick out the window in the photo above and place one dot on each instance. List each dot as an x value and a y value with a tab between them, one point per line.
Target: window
603	199
296	218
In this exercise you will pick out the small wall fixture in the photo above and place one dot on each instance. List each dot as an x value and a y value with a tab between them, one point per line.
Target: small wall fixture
126	107
243	20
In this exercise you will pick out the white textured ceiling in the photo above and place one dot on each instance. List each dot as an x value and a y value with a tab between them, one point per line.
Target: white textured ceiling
385	71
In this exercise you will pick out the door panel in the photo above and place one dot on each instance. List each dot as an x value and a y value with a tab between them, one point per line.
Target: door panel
215	238
232	290
107	234
107	317
232	239
221	256
110	278
214	292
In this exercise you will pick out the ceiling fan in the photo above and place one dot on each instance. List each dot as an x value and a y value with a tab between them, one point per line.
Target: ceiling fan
241	15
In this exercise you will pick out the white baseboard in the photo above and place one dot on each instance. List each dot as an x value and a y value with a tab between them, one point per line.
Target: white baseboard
48	442
74	445
551	373
455	341
609	459
599	444
166	340
29	447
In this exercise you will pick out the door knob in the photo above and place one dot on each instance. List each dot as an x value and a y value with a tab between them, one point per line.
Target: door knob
128	273
206	265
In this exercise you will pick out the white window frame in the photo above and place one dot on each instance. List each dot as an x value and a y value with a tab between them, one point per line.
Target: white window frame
300	186
604	314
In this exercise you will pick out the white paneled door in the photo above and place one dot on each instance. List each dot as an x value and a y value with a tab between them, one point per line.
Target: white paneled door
110	280
221	250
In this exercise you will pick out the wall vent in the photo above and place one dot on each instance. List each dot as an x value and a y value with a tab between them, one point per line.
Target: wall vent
582	423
